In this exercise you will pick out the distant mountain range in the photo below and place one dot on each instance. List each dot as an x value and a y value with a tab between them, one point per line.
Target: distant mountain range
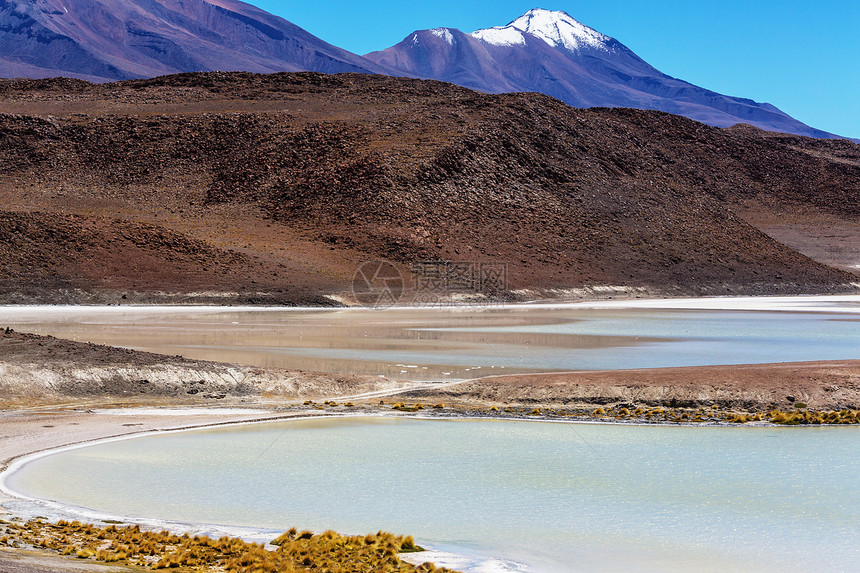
542	51
108	40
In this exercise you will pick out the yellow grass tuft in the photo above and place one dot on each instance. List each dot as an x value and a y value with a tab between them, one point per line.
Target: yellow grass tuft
296	552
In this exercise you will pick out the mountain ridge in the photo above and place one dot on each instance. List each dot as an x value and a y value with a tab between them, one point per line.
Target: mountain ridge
109	40
543	51
550	52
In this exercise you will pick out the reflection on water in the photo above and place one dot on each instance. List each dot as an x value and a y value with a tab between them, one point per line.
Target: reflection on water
453	343
561	497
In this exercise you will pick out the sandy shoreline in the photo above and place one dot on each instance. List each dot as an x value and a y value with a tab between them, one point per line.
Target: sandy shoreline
29	432
795	303
26	432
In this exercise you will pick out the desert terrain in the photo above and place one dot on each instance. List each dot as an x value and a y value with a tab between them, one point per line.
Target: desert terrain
242	188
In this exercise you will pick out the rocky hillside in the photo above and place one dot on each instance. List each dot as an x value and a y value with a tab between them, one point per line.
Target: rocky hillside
277	187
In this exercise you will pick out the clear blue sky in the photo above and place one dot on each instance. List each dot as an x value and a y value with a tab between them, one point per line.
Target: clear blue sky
800	55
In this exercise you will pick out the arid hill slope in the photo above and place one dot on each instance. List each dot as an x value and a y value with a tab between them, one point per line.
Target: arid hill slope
276	187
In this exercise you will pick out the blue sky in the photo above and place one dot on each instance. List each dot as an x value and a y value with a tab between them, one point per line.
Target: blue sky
802	56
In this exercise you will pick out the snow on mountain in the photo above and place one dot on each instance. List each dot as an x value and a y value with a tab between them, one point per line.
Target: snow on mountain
541	51
500	36
556	28
444	34
552	53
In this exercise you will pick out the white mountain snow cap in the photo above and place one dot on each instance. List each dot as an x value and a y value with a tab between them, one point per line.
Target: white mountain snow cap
500	36
444	34
556	28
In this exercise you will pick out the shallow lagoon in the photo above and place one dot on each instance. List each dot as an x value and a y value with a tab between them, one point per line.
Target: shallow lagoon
454	343
550	496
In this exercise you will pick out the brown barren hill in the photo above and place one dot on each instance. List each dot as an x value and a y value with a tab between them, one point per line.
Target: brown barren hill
275	188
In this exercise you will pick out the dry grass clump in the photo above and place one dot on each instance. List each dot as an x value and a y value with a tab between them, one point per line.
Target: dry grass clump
296	552
808	417
655	414
400	406
713	414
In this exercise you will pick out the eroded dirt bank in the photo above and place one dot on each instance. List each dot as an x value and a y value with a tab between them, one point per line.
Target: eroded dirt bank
47	369
833	385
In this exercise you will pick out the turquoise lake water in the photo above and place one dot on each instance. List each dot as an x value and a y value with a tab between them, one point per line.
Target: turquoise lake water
546	497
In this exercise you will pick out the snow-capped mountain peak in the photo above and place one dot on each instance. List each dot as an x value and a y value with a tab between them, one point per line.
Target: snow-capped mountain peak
550	52
443	34
500	36
556	28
